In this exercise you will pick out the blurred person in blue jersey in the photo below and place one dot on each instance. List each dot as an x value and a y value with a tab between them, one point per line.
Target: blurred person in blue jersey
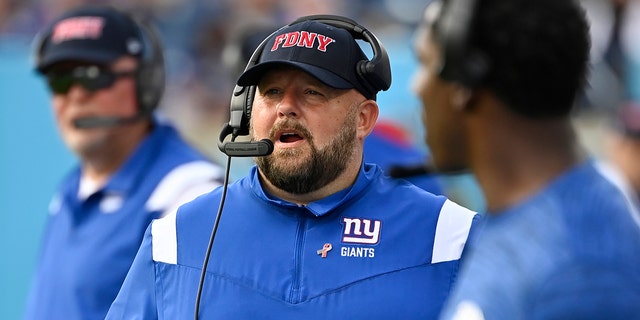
312	232
105	71
498	81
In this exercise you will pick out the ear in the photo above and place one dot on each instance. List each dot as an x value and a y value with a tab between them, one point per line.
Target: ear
367	116
461	97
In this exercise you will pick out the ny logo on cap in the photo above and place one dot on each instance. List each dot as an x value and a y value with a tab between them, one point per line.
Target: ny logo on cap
78	28
302	39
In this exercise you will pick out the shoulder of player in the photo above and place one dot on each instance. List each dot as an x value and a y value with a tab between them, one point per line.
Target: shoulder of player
453	229
183	183
194	218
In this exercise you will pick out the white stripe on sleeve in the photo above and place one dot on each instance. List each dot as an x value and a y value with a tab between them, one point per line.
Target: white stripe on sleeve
452	231
164	239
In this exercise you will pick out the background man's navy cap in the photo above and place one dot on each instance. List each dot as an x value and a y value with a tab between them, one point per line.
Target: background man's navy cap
94	34
326	52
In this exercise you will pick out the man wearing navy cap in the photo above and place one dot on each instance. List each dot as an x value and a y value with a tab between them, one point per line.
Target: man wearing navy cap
106	76
312	232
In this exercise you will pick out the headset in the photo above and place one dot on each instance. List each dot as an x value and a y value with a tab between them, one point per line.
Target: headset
374	74
461	62
149	79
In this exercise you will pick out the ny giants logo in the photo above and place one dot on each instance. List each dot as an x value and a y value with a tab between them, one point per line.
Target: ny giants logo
78	28
302	39
363	231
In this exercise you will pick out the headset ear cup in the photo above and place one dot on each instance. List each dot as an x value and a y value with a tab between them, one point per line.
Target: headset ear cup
240	109
476	68
364	69
248	107
461	62
150	84
38	48
150	79
377	76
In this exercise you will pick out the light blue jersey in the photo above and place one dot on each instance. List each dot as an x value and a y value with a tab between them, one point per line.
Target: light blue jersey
571	251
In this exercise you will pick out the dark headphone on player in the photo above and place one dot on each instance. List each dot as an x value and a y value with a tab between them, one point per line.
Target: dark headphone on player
374	75
149	78
461	62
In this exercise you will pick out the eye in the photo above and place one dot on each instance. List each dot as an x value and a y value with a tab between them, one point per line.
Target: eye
313	92
270	91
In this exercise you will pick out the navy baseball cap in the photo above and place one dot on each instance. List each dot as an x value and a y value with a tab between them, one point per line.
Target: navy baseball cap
94	34
328	53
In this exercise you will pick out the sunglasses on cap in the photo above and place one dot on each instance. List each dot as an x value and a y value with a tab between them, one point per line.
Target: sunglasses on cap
91	78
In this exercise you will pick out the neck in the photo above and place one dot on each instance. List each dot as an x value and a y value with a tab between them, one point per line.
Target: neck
514	157
100	163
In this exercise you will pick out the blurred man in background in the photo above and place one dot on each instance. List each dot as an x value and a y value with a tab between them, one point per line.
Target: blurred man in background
498	81
105	71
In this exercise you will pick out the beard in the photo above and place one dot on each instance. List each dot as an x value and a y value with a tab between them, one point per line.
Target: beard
316	170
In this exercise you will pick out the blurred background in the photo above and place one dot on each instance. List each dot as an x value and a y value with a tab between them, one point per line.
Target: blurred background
203	54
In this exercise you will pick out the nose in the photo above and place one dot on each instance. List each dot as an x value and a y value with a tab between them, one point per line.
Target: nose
77	91
288	106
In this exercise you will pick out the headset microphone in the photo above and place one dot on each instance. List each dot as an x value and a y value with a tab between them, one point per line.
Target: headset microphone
260	148
407	171
103	122
232	148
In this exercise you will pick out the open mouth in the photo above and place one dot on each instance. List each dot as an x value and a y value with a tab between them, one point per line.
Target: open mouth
289	137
